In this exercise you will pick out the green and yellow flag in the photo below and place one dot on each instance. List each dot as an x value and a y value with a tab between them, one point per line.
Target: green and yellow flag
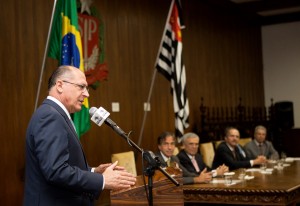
65	46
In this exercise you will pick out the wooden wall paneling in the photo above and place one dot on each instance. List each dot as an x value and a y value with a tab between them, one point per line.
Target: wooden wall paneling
17	63
220	54
5	91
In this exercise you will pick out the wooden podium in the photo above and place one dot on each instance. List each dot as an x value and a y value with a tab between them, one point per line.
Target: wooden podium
164	191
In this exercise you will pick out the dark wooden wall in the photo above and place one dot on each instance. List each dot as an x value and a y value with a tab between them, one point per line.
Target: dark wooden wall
222	54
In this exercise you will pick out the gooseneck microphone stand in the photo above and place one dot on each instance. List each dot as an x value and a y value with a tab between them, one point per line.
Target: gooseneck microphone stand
153	162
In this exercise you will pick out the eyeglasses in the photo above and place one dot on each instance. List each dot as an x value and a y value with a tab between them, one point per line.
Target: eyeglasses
82	87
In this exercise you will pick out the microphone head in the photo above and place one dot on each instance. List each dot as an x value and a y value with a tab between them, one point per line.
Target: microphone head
92	110
98	115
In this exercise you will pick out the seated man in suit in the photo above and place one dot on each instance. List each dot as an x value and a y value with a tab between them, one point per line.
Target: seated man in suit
260	146
231	153
192	161
166	145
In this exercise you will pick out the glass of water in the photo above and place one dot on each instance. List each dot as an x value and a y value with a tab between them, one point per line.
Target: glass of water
263	166
242	173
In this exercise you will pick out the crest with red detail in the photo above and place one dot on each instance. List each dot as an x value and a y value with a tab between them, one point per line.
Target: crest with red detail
92	36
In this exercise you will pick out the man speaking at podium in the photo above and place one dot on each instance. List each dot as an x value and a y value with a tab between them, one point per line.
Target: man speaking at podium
57	172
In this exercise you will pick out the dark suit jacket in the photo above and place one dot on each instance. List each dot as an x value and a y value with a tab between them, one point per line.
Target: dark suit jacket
224	155
57	172
187	163
188	177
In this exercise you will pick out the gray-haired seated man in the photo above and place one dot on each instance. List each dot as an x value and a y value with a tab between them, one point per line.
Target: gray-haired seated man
166	145
260	146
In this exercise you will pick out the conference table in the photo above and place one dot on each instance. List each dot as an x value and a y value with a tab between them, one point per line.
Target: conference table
273	186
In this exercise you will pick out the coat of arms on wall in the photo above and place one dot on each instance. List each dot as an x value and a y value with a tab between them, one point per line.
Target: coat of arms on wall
92	35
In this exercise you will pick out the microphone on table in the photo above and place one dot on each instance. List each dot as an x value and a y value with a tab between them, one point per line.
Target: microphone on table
101	115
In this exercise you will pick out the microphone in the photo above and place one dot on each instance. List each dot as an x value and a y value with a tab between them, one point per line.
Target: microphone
101	115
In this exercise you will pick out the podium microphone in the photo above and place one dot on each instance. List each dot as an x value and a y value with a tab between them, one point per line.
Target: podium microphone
101	115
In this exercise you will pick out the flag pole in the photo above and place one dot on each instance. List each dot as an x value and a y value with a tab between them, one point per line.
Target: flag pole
45	56
154	76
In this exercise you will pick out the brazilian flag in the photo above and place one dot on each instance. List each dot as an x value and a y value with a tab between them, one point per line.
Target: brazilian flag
65	46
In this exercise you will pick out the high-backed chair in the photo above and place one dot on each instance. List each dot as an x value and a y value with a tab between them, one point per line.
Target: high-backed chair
217	143
125	159
208	153
176	151
244	141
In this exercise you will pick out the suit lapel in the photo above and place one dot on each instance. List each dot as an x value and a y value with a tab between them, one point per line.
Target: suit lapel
189	162
68	121
72	126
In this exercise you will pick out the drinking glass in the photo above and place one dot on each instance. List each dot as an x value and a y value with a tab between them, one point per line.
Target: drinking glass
242	173
280	164
263	166
228	179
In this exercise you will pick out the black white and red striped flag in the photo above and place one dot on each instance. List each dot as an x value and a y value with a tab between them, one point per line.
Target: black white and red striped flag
169	63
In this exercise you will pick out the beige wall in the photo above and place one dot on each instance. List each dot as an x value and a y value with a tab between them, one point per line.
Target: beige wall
281	53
